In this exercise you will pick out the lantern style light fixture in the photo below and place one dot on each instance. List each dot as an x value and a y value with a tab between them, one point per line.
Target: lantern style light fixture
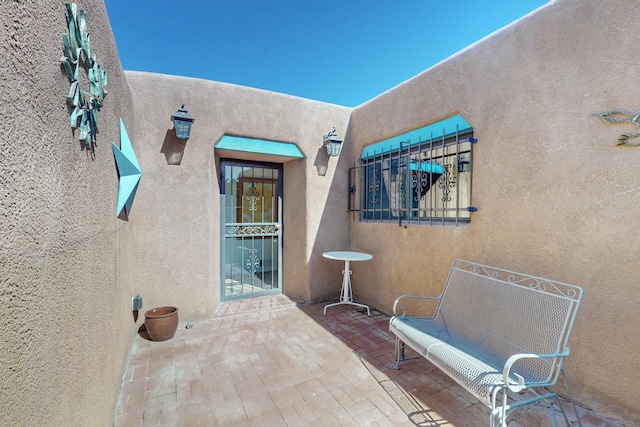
463	163
182	122
332	143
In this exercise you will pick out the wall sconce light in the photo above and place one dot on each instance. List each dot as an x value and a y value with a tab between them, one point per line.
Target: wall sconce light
182	122
463	164
332	143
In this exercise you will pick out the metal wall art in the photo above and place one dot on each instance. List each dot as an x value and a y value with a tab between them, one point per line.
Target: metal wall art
77	54
129	171
618	116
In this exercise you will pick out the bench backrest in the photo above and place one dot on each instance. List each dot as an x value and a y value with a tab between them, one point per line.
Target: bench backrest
498	313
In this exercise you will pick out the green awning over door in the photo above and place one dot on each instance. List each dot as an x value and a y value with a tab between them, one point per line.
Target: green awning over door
242	147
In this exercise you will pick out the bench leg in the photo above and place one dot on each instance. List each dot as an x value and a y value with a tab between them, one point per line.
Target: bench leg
498	413
502	410
573	402
556	401
400	355
399	352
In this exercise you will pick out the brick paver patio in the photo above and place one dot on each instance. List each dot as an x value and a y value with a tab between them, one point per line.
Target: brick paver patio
272	362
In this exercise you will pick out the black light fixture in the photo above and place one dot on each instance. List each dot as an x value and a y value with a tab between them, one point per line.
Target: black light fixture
332	143
182	122
463	163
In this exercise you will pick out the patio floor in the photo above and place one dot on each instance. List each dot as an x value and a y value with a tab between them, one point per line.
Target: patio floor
270	361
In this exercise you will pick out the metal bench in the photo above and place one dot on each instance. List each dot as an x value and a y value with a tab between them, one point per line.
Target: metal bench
496	333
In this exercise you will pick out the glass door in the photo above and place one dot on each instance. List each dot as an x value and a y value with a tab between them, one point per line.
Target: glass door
251	210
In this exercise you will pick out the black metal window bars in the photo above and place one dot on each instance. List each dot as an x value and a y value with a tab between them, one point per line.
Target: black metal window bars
424	183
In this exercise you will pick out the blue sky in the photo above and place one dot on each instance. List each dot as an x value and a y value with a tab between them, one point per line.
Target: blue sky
339	51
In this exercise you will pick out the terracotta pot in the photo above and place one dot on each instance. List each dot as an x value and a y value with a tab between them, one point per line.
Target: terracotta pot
161	323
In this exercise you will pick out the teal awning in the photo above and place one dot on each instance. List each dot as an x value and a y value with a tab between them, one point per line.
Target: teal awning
430	167
423	135
259	149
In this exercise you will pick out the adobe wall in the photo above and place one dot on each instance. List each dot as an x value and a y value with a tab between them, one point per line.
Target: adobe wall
556	197
177	207
64	309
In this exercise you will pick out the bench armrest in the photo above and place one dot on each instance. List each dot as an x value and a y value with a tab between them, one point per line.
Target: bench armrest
513	359
404	312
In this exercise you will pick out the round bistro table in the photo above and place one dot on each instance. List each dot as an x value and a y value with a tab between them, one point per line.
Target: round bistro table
346	297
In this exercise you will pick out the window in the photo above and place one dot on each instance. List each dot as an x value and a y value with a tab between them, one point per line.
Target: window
417	177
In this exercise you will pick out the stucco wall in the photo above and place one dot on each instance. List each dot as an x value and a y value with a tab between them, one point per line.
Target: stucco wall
556	197
177	216
65	313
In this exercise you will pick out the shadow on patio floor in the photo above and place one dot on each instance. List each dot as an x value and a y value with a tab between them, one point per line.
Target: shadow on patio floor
273	361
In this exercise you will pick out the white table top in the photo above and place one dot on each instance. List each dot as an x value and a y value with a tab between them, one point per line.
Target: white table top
347	256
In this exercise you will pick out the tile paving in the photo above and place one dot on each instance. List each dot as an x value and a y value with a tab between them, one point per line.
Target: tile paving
272	361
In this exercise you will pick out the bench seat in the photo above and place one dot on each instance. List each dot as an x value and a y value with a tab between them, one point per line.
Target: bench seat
496	333
471	367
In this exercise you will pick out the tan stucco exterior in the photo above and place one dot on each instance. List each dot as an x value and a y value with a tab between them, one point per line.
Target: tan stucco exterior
556	197
177	241
65	310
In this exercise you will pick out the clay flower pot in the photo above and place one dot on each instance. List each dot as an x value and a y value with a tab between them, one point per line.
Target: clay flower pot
161	323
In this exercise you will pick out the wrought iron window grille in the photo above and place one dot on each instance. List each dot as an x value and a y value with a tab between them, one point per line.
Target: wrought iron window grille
424	183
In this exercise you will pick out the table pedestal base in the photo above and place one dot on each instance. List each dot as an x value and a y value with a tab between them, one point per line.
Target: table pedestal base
346	297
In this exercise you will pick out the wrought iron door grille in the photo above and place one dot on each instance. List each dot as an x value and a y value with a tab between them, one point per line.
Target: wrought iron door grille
251	203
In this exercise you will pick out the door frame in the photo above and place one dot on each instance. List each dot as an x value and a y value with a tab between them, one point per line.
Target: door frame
224	163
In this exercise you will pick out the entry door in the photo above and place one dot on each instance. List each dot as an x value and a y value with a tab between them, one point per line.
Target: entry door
251	210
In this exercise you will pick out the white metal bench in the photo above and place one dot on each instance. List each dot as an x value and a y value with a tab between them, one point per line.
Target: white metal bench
496	333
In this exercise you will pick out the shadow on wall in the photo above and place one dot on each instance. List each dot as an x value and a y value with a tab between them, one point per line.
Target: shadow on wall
173	148
321	162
